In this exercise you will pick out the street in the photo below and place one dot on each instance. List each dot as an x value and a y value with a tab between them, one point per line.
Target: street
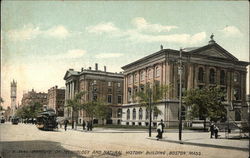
25	140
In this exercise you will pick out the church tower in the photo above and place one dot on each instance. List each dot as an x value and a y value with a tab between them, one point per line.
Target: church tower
13	97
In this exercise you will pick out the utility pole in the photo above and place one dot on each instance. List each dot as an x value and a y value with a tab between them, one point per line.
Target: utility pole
180	95
150	111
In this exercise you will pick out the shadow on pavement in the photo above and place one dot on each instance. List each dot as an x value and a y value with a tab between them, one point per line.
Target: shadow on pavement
35	149
203	144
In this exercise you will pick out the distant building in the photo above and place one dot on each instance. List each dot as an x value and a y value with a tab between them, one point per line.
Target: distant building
206	66
34	97
98	84
56	100
13	89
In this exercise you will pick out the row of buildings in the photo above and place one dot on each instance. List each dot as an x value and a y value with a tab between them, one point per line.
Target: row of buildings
205	66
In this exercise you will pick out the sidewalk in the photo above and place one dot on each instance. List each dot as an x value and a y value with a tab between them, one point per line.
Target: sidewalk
203	139
189	137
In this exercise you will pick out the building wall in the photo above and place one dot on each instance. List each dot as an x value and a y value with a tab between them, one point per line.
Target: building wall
167	63
56	100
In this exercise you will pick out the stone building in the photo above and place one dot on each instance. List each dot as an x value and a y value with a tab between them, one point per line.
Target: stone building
206	66
56	100
33	97
97	84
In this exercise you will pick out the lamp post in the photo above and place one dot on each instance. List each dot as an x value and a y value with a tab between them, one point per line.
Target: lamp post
180	69
150	111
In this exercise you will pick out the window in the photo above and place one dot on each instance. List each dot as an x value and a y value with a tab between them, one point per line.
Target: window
237	95
128	114
95	97
142	76
201	75
149	74
236	77
119	113
135	78
119	99
109	84
212	76
118	84
155	115
109	98
134	114
129	79
222	77
141	88
140	114
94	82
237	115
109	90
157	71
147	114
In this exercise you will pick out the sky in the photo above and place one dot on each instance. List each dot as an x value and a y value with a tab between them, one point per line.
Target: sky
41	40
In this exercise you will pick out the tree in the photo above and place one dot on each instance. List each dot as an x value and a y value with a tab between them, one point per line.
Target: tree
76	105
153	93
205	103
1	100
29	111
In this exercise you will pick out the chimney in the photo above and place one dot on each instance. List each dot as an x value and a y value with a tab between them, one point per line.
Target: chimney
161	47
105	69
96	66
82	69
89	68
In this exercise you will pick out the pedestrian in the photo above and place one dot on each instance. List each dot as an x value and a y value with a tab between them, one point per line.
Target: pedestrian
83	124
65	124
159	131
216	130
73	122
87	125
90	125
162	125
211	128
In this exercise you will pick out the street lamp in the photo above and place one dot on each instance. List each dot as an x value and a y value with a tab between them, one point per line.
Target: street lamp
150	111
180	69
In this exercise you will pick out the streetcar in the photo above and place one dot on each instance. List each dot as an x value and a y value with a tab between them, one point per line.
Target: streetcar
46	120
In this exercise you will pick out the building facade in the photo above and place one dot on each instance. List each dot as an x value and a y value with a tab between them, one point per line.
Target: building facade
206	66
13	89
34	97
97	84
56	100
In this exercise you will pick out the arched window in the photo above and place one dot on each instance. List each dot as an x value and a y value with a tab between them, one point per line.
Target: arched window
149	74
142	76
212	76
201	75
222	77
157	71
135	78
128	114
155	115
134	114
140	114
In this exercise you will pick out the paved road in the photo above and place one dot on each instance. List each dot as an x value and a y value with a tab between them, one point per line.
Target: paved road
24	140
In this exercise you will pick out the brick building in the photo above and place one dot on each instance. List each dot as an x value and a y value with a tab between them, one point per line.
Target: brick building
98	84
206	66
56	100
33	96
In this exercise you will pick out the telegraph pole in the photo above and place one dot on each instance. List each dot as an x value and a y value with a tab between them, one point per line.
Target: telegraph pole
180	95
150	111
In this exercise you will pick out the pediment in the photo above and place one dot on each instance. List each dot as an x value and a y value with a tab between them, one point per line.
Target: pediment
216	51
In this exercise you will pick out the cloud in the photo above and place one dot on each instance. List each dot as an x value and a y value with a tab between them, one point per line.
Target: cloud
70	54
142	30
231	31
75	53
174	38
102	28
142	25
29	32
26	33
57	32
108	55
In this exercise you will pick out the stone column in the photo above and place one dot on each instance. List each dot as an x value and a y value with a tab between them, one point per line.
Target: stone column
190	84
